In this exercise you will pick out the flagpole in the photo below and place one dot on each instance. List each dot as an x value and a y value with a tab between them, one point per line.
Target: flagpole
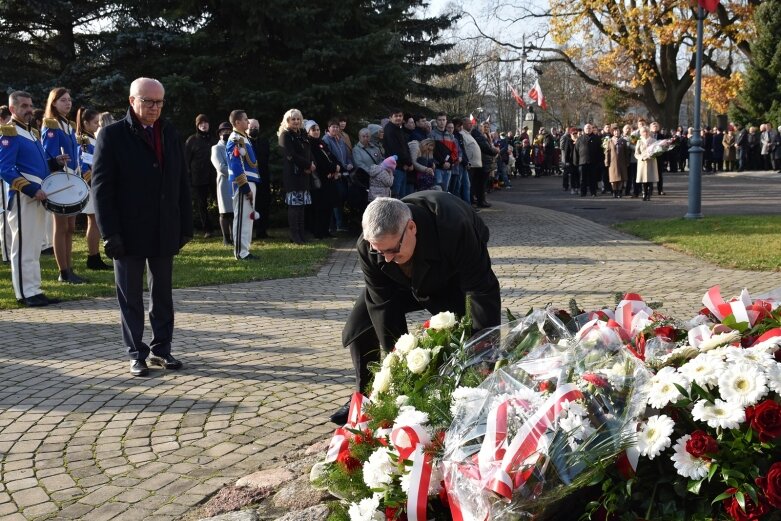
695	150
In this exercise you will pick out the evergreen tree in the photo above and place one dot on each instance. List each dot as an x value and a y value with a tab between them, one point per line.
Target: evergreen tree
760	100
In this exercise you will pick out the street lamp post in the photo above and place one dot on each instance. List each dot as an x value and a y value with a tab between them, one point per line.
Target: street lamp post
523	66
696	150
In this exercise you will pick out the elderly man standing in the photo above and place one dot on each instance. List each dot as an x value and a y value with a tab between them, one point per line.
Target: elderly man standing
426	251
23	166
142	204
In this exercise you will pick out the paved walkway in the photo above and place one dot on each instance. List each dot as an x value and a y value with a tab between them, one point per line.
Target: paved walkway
81	439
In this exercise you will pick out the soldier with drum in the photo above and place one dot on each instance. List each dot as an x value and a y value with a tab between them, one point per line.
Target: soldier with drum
24	166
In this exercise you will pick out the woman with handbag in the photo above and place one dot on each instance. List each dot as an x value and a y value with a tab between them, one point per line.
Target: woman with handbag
297	171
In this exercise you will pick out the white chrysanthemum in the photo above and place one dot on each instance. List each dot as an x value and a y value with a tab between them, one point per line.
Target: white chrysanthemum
654	436
663	389
443	320
381	383
742	384
719	414
719	340
409	415
418	360
687	465
467	397
773	374
759	356
366	510
379	469
402	400
704	369
406	343
390	360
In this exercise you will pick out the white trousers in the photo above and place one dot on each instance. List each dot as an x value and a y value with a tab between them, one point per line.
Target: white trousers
27	220
242	224
47	238
5	230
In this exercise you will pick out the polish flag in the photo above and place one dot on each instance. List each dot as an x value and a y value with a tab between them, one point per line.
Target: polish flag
536	95
709	5
518	99
472	119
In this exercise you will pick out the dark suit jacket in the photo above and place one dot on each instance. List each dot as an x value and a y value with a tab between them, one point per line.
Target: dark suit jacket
450	262
145	203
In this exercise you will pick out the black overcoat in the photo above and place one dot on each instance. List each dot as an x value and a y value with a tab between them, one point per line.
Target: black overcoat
450	262
145	203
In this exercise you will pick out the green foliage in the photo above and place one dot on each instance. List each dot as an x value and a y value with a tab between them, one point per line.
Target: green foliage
326	57
760	100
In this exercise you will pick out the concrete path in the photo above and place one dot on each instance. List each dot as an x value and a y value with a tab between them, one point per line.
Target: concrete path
81	439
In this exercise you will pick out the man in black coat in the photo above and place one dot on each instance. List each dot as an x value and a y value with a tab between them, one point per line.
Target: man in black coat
198	158
142	205
587	153
427	251
394	141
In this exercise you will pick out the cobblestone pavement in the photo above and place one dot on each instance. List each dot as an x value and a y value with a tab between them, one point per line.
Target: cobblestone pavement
81	439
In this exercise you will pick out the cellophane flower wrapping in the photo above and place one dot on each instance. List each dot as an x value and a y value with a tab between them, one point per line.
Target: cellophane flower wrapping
536	429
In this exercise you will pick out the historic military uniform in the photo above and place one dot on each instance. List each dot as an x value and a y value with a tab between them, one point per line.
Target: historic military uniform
5	230
24	166
86	150
59	137
244	177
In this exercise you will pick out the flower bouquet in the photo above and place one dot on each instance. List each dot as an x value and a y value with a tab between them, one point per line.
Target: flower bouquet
657	148
709	443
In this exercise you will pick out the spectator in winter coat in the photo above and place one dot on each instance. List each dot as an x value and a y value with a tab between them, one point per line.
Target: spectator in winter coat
381	178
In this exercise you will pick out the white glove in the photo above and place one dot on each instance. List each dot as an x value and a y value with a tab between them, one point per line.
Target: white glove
242	151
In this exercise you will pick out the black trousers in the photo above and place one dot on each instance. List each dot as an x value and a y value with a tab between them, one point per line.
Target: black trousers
631	181
201	195
588	178
480	178
128	275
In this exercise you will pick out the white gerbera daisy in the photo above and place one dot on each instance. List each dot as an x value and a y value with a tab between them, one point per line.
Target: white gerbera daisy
720	414
773	374
663	389
655	435
751	355
704	370
719	340
742	384
687	465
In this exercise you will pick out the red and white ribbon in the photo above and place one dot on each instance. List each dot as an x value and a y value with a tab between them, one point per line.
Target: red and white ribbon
420	479
339	443
406	439
356	419
526	442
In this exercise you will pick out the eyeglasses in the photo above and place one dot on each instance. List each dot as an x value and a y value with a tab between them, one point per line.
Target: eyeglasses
392	251
149	103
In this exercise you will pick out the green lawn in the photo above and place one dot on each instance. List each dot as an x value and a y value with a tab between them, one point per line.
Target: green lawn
203	262
748	242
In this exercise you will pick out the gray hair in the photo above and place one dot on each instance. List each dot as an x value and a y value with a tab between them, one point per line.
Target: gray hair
364	131
384	216
135	87
14	97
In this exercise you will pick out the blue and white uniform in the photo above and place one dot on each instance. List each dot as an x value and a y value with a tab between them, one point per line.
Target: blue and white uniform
24	166
244	177
59	136
86	150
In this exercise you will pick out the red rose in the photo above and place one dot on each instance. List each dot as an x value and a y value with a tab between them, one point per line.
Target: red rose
665	332
347	461
595	379
752	513
426	324
765	418
771	485
701	444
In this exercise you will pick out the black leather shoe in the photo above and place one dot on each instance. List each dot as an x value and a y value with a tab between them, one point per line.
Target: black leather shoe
165	361
483	205
248	257
138	368
37	301
340	416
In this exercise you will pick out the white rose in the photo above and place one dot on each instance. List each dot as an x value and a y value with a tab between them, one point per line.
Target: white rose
390	360
382	381
406	343
418	359
444	320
